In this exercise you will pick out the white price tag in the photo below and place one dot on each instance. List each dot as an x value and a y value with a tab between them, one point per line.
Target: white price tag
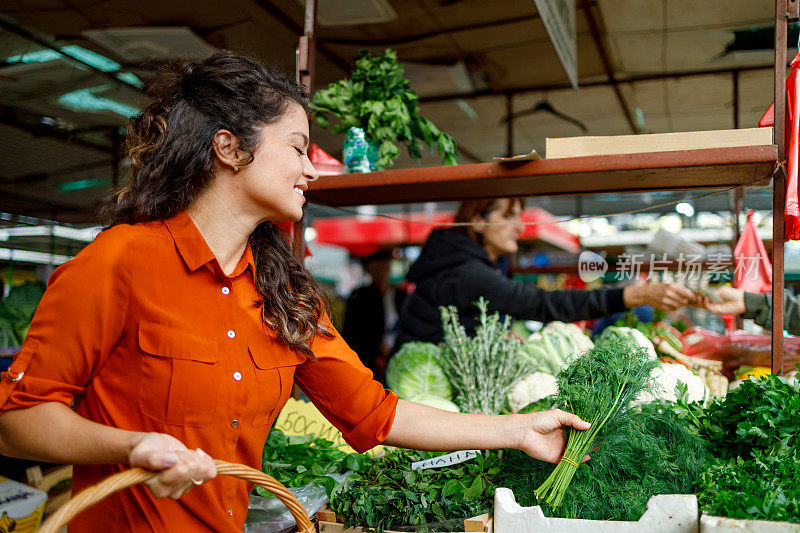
446	460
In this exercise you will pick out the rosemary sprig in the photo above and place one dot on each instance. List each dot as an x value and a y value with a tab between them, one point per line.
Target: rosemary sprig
483	368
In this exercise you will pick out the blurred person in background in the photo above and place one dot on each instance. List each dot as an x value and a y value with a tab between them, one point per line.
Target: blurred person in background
372	312
730	301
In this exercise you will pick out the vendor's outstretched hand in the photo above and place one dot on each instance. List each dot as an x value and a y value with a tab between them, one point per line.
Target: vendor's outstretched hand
543	436
181	468
663	296
724	301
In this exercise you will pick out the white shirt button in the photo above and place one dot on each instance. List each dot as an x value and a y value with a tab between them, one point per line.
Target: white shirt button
231	334
225	290
237	376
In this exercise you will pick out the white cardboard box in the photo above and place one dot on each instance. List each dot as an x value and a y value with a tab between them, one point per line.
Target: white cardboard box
666	513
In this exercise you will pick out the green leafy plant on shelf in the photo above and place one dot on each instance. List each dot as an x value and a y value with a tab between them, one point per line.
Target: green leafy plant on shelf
378	99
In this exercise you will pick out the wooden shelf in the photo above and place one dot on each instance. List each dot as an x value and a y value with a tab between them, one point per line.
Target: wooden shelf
686	169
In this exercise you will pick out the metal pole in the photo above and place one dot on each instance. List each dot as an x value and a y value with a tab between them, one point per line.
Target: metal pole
779	187
306	58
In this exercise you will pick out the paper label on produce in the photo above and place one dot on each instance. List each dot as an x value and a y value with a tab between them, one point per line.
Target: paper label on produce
445	460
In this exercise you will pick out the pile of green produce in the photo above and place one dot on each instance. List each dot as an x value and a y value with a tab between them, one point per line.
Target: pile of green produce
380	100
388	494
296	461
414	373
483	368
599	387
754	438
555	346
16	312
647	451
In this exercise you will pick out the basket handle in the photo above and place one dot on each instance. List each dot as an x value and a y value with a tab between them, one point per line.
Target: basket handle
133	476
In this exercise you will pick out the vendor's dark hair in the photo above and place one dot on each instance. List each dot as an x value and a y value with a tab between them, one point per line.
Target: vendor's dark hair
481	208
172	160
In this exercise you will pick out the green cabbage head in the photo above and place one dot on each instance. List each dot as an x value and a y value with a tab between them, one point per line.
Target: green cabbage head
413	371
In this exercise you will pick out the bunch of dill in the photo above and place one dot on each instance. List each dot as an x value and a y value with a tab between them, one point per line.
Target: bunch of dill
484	367
599	387
645	451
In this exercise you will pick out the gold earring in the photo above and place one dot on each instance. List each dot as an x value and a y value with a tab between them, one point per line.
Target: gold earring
235	169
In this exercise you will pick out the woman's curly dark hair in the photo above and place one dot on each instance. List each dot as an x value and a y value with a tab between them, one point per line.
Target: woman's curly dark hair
172	160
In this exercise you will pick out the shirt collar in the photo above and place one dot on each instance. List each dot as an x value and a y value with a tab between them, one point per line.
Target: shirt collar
193	247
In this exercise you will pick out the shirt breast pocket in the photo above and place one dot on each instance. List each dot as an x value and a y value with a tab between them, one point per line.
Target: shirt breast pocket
180	379
274	368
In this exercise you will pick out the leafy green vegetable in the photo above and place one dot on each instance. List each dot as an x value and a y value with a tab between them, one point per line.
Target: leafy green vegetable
388	494
753	436
379	99
764	487
297	461
16	312
598	387
483	368
645	452
414	370
761	414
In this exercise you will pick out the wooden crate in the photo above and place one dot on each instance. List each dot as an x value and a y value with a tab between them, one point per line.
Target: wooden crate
326	524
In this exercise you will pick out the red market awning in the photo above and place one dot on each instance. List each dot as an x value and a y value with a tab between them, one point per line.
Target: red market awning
365	234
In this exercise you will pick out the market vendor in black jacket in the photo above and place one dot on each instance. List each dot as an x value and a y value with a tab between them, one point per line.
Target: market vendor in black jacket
458	265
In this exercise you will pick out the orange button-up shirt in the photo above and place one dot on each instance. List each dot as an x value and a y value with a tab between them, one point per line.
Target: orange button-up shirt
144	332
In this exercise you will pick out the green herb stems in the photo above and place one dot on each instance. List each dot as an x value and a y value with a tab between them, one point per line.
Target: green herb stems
596	387
481	369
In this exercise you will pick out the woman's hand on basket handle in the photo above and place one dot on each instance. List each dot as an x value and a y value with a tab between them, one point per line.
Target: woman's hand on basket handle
180	469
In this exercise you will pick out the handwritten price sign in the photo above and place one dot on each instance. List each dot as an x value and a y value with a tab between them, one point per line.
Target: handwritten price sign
302	418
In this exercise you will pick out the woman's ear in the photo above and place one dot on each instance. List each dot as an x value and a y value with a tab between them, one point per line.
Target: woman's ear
478	224
226	148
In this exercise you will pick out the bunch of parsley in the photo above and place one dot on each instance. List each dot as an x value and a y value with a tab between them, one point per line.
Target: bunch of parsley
754	438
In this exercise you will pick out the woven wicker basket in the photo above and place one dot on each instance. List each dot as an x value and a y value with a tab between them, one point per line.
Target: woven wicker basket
108	486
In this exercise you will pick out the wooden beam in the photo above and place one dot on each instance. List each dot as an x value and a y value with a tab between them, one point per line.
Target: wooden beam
272	10
594	83
686	169
779	187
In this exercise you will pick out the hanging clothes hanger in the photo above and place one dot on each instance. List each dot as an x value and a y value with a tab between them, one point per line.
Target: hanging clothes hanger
545	106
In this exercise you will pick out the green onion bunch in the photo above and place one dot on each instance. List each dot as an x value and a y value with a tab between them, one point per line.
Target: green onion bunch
598	387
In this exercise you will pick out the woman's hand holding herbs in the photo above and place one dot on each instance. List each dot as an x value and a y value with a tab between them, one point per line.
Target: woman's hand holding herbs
542	436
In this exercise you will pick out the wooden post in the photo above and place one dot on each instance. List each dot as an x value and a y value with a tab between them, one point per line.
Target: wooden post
510	125
779	187
306	59
736	195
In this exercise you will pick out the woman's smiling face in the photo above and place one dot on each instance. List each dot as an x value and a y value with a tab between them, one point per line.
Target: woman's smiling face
277	178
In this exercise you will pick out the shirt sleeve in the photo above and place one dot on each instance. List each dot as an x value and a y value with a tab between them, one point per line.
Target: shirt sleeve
339	385
759	308
533	303
76	326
